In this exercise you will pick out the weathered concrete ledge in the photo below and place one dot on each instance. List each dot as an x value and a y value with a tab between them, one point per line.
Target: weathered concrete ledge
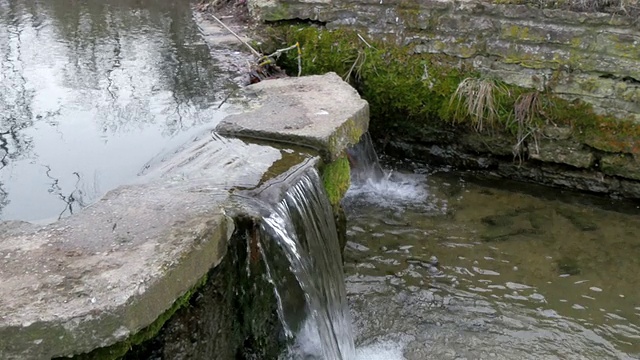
96	278
100	276
321	111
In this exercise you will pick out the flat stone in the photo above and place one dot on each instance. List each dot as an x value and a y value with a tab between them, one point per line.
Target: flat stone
95	278
321	112
557	133
625	166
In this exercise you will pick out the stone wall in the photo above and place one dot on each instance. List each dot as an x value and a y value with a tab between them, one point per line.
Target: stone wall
591	56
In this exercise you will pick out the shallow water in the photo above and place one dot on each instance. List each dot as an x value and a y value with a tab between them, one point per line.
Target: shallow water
522	273
90	92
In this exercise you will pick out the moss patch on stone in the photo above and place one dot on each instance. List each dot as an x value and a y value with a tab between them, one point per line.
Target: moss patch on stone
336	178
409	93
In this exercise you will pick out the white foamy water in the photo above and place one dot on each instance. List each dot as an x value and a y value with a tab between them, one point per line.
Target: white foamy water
392	187
372	184
384	350
308	347
394	190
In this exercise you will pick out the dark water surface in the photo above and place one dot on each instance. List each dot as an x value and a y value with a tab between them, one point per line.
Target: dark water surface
523	272
90	91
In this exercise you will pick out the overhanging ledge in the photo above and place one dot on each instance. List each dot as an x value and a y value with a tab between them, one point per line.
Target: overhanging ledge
98	277
321	112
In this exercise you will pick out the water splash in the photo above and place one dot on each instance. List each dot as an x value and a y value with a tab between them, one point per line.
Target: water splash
302	227
372	184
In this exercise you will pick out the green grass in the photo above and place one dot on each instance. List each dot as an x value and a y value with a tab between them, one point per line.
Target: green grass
410	94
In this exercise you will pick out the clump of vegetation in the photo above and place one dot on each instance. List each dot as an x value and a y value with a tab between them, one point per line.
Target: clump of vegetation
422	96
527	109
567	265
475	100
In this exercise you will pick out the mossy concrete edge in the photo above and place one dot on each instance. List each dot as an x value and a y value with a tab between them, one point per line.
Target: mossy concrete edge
118	293
321	112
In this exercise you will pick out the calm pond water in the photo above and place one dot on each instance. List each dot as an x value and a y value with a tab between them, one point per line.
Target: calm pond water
519	272
90	91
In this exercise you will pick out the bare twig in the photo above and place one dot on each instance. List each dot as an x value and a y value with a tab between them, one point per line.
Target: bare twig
272	57
253	51
299	59
364	41
262	59
357	65
276	54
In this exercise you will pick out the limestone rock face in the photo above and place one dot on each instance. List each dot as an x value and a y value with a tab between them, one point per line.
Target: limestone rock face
617	164
562	152
591	56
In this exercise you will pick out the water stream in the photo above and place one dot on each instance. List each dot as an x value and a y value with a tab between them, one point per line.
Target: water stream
490	269
298	243
303	227
439	265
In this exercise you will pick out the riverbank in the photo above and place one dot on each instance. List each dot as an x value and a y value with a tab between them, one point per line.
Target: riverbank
532	114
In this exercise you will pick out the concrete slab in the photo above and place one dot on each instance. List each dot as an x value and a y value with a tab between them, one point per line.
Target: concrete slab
321	112
95	278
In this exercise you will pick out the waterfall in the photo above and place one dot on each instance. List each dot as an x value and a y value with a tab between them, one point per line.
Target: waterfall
301	229
373	184
364	162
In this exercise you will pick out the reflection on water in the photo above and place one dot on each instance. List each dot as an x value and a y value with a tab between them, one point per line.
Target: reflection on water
492	273
89	92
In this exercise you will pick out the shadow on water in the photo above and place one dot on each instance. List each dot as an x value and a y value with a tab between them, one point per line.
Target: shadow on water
89	92
494	270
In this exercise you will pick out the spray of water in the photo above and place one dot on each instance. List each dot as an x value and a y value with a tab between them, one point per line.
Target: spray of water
372	184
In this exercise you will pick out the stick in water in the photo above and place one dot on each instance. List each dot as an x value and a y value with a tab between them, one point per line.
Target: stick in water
237	37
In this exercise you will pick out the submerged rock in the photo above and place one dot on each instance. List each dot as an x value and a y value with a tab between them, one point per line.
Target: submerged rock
567	265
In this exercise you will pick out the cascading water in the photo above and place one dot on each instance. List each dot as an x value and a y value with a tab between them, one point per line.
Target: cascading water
300	248
364	162
302	227
370	183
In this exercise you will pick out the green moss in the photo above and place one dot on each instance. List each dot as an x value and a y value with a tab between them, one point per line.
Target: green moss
405	90
349	133
409	94
118	350
336	178
567	265
602	132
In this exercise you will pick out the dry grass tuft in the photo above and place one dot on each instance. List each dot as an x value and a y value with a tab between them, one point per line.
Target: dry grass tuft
476	100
